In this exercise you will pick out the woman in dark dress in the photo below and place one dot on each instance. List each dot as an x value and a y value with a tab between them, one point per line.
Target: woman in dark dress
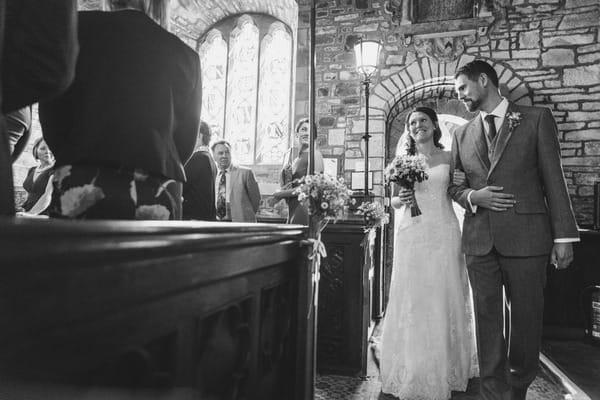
295	167
36	182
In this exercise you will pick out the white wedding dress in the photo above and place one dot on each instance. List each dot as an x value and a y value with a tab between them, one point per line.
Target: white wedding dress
428	342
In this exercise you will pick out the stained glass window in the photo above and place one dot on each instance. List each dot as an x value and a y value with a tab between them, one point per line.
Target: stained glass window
214	74
247	81
240	125
272	137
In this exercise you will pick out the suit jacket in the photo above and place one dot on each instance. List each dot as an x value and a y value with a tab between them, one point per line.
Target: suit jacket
135	101
244	198
526	163
38	47
199	190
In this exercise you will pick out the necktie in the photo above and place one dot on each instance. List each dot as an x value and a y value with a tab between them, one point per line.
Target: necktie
221	206
491	126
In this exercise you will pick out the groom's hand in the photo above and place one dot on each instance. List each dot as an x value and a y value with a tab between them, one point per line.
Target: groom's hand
492	198
561	255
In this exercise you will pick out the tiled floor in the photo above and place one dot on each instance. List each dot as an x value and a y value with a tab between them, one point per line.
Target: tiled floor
332	387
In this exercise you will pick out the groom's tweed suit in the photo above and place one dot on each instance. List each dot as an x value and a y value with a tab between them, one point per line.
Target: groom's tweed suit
511	247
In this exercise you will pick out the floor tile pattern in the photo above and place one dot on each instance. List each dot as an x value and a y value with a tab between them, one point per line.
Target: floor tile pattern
333	387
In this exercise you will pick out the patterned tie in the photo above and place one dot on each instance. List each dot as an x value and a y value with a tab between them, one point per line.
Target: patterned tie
221	206
491	126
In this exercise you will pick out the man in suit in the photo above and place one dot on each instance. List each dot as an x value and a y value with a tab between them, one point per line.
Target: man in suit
236	190
199	190
131	114
518	219
38	47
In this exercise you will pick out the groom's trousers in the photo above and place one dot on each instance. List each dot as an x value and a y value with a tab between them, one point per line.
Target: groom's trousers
508	363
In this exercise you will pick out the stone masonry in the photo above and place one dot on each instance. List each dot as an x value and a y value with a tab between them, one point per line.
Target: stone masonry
547	53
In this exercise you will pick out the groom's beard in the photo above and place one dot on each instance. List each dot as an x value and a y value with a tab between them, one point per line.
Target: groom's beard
472	105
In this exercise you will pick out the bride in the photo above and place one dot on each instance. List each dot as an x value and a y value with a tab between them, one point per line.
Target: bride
428	342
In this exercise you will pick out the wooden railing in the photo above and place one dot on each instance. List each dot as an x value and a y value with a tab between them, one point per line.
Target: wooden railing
208	311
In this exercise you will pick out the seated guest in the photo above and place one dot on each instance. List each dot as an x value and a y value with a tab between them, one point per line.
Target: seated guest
237	193
37	182
123	130
199	190
295	167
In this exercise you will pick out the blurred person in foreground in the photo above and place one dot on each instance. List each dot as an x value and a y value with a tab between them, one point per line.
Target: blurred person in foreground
124	129
38	42
18	127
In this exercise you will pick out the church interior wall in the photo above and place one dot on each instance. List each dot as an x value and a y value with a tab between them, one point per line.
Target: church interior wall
547	53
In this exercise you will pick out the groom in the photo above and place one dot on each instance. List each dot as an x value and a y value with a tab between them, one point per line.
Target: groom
518	219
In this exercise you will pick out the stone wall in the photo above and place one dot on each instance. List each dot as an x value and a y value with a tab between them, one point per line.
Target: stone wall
546	52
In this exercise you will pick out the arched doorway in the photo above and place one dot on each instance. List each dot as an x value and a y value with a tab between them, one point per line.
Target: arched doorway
424	82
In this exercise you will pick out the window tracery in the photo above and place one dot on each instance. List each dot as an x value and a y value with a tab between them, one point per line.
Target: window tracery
247	86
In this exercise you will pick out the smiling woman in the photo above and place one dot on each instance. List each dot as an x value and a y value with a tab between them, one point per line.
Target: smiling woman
428	339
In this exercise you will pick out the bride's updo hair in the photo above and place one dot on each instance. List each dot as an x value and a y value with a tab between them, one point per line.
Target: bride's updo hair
437	132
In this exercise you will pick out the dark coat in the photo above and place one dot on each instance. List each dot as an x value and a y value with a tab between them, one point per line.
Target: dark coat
135	101
199	190
38	47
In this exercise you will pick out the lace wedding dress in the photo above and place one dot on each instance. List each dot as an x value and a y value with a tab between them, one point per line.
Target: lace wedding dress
428	342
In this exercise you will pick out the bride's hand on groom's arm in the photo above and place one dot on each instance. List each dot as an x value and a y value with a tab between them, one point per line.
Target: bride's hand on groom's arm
459	178
493	198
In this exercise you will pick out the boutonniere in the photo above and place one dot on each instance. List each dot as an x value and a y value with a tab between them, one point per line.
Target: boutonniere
514	119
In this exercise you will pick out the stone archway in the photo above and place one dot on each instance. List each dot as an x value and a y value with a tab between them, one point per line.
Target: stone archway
424	81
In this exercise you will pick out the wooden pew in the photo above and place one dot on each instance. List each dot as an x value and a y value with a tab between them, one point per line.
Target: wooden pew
179	309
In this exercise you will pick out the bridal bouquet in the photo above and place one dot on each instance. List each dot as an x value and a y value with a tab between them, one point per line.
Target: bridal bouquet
406	170
373	214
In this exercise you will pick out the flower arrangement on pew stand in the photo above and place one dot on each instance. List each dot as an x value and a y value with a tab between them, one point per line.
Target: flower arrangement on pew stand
374	216
326	198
